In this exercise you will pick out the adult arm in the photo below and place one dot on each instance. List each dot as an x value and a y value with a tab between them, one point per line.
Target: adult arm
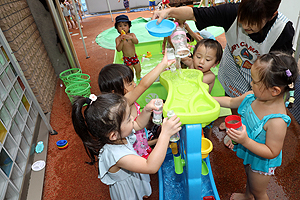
222	15
184	13
285	40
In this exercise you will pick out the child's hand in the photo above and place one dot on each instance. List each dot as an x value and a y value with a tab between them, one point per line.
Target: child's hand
165	62
171	126
238	136
150	106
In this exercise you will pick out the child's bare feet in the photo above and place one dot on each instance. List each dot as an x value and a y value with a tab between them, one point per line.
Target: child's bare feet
222	126
240	196
228	142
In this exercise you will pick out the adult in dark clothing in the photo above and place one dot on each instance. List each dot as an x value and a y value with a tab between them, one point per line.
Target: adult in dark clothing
252	28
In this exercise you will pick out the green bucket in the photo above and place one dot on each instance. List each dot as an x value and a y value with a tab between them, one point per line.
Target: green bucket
77	77
64	75
78	89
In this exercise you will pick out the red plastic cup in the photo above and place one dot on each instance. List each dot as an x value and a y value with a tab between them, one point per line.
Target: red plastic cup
235	122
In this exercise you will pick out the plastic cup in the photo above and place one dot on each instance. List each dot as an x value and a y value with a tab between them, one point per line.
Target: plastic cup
235	122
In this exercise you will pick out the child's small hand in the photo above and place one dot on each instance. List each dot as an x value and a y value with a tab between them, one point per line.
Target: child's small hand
150	106
238	136
124	37
171	125
165	62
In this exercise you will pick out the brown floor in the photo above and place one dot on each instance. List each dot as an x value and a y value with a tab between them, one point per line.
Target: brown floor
68	177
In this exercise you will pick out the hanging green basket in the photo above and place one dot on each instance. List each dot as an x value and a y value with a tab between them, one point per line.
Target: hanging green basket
64	75
78	89
77	77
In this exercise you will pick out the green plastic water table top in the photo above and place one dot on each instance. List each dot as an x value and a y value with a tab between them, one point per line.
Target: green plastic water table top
188	96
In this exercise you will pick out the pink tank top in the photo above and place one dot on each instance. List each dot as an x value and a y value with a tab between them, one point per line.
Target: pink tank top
141	144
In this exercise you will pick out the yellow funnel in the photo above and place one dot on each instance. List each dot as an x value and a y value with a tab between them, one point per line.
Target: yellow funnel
206	147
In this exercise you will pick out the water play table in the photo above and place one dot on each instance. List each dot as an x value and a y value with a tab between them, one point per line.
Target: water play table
189	98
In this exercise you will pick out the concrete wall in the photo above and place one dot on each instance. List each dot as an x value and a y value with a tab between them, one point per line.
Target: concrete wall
23	36
45	25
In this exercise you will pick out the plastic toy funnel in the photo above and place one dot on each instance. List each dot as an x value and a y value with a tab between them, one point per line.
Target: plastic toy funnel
206	147
179	164
188	97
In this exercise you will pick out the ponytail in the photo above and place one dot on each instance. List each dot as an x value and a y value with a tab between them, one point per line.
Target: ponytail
102	116
81	128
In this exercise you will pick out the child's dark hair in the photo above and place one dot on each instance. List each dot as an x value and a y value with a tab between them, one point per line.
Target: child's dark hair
281	70
254	11
112	78
212	44
101	117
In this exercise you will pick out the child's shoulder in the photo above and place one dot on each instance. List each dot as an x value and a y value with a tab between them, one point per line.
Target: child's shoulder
209	73
131	34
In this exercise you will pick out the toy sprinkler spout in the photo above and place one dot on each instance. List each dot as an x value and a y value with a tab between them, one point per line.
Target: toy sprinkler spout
178	162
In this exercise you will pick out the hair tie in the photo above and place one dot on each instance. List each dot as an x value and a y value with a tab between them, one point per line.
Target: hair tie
288	73
88	101
91	99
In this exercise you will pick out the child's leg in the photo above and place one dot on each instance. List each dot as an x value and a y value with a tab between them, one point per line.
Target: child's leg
69	23
75	21
138	70
256	187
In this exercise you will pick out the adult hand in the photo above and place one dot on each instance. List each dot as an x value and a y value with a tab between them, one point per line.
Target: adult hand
161	14
184	13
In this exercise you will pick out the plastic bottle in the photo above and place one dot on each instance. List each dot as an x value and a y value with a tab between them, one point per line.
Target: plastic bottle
179	41
176	136
157	114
